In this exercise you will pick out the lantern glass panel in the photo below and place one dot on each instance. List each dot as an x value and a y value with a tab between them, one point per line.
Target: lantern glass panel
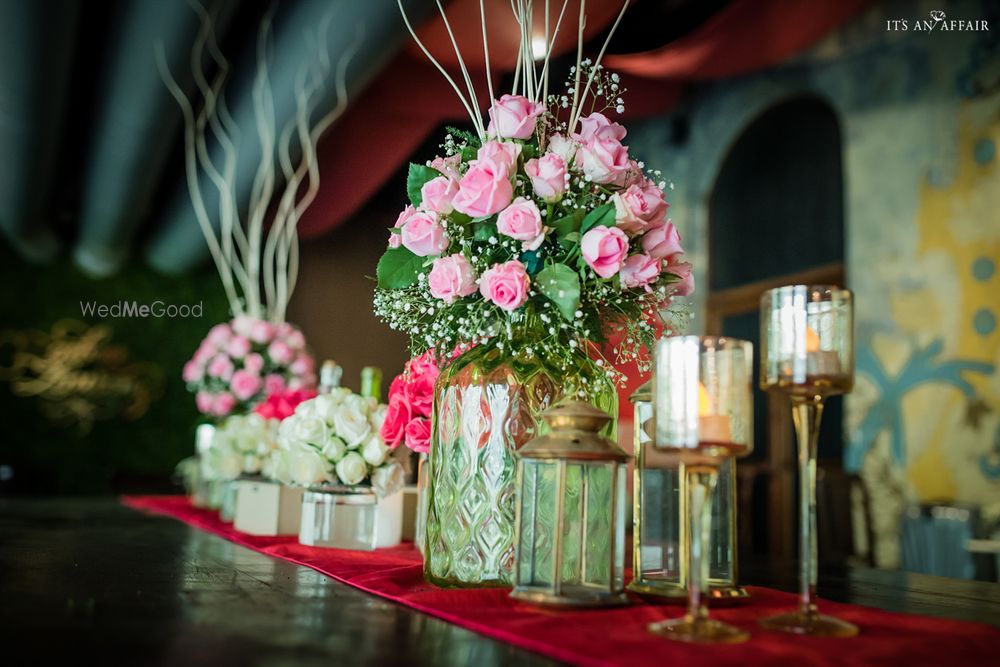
538	526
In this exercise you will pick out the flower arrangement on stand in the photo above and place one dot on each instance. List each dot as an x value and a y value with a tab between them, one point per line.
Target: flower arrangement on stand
331	446
529	241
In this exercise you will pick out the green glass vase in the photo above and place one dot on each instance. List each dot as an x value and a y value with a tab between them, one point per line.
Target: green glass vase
487	405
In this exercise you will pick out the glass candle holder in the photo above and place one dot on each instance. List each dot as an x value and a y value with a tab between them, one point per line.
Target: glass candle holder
703	416
660	517
807	339
570	543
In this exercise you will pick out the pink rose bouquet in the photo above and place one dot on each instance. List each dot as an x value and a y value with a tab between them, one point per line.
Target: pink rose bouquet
542	233
411	399
241	363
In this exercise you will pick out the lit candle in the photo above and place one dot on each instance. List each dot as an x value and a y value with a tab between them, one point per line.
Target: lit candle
711	427
820	362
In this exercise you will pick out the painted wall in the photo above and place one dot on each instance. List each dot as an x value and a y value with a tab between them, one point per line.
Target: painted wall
920	117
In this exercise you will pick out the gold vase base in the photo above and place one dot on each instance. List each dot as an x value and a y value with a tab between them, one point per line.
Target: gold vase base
812	624
718	596
699	631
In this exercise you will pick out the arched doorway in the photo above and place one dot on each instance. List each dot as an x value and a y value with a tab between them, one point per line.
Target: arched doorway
776	217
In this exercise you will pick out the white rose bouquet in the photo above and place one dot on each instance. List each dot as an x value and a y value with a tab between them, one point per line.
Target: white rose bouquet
241	444
334	438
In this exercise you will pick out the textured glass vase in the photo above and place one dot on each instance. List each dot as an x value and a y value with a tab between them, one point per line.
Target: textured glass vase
486	406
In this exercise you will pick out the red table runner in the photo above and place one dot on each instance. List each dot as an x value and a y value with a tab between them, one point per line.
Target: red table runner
618	636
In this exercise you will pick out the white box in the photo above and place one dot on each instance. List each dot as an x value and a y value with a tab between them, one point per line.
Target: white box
267	508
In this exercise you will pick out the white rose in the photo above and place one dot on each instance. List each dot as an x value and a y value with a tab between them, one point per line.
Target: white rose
351	425
324	407
251	464
275	467
352	469
360	404
312	430
388	479
307	467
374	450
334	449
378	416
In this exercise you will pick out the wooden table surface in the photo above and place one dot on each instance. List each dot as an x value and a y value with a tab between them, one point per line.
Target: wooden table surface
88	581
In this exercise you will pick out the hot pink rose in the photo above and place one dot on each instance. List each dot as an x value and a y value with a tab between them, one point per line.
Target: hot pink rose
420	374
219	335
501	152
548	176
397	415
597	123
253	362
683	271
295	339
484	190
193	372
423	235
395	240
639	207
244	384
238	347
423	364
448	165
437	193
204	401
506	284
662	241
280	352
451	277
639	271
223	404
513	117
418	435
603	158
282	404
522	221
274	384
604	249
221	366
262	331
303	365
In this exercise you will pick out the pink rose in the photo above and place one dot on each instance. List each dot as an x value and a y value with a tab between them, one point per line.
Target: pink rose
597	123
662	241
219	335
501	152
423	235
303	365
397	415
603	158
548	176
683	271
604	250
513	117
262	331
283	330
280	352
437	193
223	404
506	284
639	271
242	324
639	207
295	339
395	240
418	435
204	401
522	221
221	366
238	347
484	190
451	277
448	166
562	146
274	384
193	372
204	352
253	362
244	384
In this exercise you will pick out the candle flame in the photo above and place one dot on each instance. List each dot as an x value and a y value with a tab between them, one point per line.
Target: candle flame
812	340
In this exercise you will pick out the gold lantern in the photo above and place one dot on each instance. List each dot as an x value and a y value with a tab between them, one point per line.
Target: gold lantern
570	541
660	517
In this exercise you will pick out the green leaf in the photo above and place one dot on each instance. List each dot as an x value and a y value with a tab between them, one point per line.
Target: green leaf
469	153
415	179
568	224
398	268
602	215
561	285
484	229
464	135
460	218
532	262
